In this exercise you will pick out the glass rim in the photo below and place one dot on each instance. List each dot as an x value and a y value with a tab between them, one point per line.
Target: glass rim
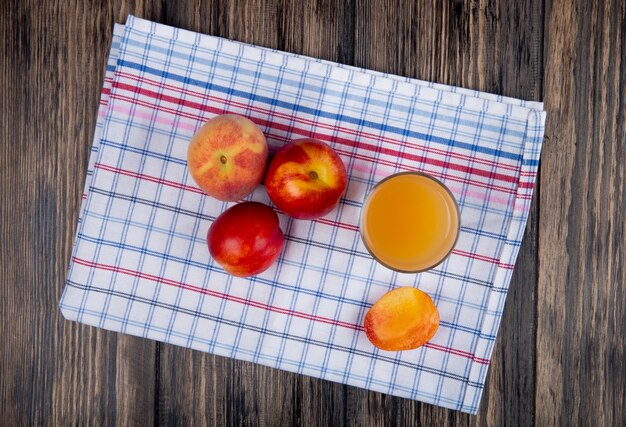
454	202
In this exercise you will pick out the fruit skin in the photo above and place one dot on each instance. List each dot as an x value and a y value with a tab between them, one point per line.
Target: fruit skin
306	179
403	319
246	239
227	157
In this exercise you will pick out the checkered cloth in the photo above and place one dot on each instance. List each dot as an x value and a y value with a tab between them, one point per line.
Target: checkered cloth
140	263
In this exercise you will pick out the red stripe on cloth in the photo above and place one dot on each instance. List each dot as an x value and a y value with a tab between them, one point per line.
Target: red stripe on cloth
372	160
458	353
216	294
326	221
483	258
379	149
271	113
256	304
199	191
145	177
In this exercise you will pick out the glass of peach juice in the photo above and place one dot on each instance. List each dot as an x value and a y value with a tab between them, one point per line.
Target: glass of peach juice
410	222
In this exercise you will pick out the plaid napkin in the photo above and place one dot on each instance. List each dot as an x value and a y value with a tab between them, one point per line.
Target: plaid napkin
140	263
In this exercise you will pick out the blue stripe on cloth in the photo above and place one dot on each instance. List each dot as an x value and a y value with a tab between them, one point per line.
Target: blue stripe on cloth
318	113
177	308
313	88
217	344
307	242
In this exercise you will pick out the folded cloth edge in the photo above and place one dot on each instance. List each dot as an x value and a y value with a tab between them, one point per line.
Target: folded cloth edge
529	108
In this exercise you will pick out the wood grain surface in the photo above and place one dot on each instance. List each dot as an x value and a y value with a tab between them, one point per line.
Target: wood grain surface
560	353
581	299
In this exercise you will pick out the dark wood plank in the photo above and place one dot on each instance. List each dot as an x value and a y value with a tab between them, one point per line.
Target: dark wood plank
52	67
581	316
509	392
53	371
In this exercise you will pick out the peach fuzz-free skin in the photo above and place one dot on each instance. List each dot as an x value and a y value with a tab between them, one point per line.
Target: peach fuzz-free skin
306	179
246	239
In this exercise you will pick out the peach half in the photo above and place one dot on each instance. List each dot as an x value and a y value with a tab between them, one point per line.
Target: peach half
403	319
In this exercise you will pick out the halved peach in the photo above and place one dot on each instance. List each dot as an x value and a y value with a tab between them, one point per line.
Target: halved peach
403	319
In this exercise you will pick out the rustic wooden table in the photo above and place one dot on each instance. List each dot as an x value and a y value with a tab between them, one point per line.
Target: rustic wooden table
560	354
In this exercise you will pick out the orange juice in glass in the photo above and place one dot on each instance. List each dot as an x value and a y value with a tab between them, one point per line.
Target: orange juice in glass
410	222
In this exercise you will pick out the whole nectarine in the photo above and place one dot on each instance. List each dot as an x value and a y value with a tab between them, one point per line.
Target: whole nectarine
306	178
245	239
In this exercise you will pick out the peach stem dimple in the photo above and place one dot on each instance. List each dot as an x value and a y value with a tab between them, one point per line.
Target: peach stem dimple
223	159
313	175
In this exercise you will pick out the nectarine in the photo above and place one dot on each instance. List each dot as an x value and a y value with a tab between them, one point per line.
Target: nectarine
306	179
245	239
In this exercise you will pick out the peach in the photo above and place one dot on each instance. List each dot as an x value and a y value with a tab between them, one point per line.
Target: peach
306	179
403	319
227	157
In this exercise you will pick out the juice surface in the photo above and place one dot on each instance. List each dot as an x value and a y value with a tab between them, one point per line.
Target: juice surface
410	222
